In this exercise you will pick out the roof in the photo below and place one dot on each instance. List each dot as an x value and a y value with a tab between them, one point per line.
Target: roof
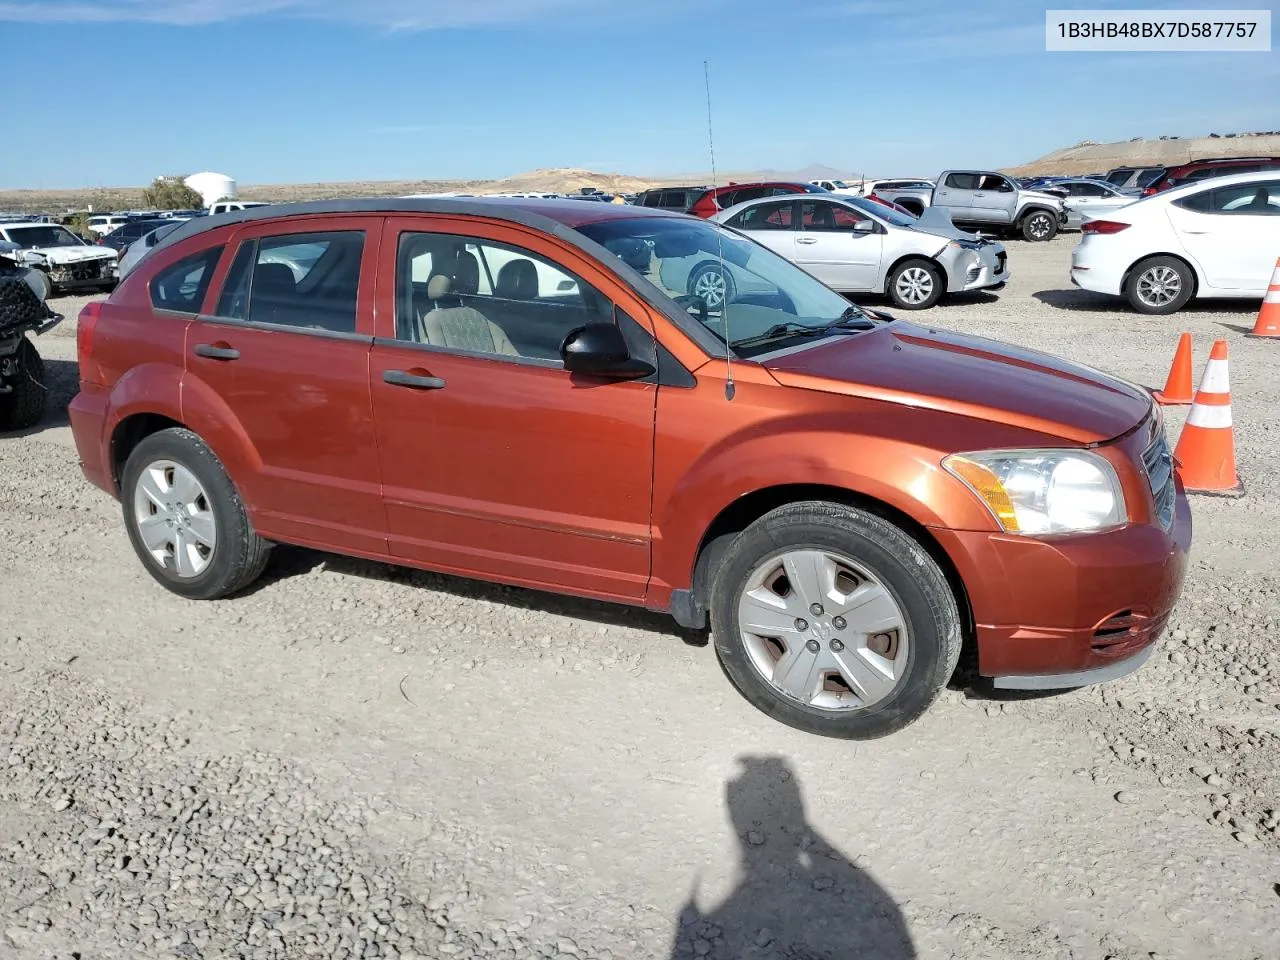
552	216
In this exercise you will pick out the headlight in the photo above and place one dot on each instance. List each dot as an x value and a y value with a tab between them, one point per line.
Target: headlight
1043	491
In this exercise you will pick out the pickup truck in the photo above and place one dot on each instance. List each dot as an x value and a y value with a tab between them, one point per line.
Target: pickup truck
980	200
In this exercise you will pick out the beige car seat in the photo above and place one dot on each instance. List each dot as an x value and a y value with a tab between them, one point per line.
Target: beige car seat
451	324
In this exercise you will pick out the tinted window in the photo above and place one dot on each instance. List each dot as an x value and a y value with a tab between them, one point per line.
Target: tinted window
306	280
820	216
1118	178
962	181
764	216
1149	176
182	285
480	296
1087	190
1256	199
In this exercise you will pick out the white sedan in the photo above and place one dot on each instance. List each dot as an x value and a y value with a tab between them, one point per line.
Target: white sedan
855	245
1213	238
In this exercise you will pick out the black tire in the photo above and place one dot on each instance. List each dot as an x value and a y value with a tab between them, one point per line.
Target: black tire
902	565
23	406
1039	226
713	270
239	554
1139	290
936	279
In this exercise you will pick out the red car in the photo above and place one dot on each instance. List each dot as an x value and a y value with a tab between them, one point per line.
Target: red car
722	198
1204	169
515	391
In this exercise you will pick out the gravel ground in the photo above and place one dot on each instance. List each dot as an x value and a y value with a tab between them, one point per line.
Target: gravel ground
356	761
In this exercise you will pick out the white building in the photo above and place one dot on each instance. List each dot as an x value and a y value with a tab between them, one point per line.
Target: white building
212	186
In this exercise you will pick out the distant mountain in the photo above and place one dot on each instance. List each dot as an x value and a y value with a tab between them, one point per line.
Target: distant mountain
1090	157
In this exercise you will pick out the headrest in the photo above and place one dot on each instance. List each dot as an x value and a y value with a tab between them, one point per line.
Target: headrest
466	274
273	279
634	252
518	280
438	286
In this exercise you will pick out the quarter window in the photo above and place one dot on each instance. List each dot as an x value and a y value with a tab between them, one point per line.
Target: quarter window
308	280
1255	199
181	286
481	296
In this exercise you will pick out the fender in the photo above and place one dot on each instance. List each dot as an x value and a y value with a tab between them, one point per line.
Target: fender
1035	206
893	459
206	413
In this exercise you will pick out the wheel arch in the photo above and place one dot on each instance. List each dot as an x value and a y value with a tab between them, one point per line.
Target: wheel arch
131	431
1196	279
1034	208
742	512
899	261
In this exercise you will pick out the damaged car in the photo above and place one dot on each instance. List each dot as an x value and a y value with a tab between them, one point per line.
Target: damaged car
67	262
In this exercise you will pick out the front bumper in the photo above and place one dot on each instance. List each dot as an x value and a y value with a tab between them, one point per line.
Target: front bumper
85	273
967	273
1059	612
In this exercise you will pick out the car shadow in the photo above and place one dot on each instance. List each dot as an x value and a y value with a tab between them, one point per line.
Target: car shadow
885	303
289	561
62	380
1073	299
797	895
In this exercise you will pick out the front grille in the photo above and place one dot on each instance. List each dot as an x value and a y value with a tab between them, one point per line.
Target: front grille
1157	461
1126	632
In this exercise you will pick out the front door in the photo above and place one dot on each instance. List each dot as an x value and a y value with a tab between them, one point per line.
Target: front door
830	246
285	345
496	461
1233	232
995	199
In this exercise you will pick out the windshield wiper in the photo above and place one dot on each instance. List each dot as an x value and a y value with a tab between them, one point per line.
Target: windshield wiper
791	328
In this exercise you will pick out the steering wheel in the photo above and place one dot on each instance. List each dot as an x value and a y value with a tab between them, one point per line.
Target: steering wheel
688	300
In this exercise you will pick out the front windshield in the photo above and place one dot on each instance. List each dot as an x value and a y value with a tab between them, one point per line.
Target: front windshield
769	299
840	184
31	237
885	212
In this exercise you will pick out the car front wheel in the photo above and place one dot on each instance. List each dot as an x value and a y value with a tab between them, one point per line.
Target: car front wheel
1039	227
1159	285
916	285
832	620
186	520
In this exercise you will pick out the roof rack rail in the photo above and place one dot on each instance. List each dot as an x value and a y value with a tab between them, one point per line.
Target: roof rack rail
1218	159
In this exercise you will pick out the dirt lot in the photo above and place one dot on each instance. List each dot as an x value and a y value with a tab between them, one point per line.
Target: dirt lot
355	761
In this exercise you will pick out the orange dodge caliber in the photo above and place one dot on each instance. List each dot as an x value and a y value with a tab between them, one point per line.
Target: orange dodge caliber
530	392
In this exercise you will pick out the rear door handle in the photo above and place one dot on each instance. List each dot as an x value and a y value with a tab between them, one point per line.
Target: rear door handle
403	378
806	239
215	352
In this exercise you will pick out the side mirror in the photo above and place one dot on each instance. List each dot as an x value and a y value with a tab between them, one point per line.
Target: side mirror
599	349
864	226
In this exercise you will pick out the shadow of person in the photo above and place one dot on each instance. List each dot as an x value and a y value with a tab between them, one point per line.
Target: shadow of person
797	897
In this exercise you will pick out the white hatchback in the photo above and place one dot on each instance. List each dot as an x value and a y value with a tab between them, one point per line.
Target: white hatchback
1213	238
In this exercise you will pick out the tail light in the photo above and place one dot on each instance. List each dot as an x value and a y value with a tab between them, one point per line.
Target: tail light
87	323
1103	226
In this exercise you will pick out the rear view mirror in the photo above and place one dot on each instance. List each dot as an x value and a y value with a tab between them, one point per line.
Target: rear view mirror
864	226
599	349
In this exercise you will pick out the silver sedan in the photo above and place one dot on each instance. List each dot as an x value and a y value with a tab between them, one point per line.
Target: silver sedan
856	245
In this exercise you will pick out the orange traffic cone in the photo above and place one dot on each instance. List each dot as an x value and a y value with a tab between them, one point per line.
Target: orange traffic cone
1268	324
1177	389
1206	451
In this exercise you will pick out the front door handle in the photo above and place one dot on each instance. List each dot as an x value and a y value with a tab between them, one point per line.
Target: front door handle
403	378
806	239
216	352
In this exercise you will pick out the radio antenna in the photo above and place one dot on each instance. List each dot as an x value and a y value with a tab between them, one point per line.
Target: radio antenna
724	283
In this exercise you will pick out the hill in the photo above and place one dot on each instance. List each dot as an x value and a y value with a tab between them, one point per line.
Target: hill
1089	157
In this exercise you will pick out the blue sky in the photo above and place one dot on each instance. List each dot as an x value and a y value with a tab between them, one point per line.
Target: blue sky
117	91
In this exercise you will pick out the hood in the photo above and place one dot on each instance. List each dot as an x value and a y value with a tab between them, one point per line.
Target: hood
61	255
972	377
937	222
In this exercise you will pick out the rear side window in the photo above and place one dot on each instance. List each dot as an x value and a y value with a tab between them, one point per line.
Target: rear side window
181	286
308	280
962	181
1149	176
1249	199
764	216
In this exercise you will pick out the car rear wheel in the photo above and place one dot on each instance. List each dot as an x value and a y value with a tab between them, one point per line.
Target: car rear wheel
1039	226
916	285
186	520
832	620
22	405
1159	285
712	284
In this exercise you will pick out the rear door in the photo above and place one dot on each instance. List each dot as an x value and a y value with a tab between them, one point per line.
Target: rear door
828	247
285	345
955	192
1232	232
771	224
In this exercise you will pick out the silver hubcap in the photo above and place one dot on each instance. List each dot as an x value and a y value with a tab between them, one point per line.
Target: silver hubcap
1039	226
710	287
174	518
915	285
1159	286
822	630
